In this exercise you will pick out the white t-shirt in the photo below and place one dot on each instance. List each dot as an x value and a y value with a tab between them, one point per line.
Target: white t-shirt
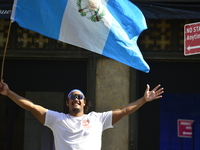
78	133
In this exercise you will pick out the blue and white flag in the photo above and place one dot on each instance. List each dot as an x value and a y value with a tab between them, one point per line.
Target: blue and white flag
107	27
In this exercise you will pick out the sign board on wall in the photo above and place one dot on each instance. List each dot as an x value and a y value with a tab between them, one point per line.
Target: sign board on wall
192	39
185	128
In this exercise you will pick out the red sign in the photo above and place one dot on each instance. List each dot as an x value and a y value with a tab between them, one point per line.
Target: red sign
192	39
185	128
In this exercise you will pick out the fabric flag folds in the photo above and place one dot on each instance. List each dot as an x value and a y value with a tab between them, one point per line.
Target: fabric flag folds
107	27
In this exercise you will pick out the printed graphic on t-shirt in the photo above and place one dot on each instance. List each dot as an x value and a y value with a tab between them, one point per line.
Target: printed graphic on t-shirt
85	123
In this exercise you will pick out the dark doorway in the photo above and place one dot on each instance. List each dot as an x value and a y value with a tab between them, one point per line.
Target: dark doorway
39	76
175	77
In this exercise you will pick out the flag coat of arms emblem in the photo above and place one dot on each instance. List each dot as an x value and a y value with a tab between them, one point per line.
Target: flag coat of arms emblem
107	27
93	10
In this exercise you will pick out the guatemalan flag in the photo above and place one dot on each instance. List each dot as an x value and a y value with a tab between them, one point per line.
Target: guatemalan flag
107	27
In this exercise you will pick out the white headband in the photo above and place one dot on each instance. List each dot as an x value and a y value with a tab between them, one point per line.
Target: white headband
74	91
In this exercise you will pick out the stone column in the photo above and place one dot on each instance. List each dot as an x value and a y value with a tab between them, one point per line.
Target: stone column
112	92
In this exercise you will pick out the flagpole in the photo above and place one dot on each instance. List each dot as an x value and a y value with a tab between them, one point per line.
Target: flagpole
5	49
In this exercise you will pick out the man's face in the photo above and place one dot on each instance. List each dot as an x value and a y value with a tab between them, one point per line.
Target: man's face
76	103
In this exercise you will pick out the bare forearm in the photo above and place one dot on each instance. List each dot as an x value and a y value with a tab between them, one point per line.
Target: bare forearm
38	111
19	100
132	107
128	109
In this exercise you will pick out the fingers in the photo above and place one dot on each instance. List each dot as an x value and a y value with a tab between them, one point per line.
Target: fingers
156	88
158	91
148	87
2	83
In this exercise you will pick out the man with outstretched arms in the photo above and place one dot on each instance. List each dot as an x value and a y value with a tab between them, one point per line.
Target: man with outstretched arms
77	130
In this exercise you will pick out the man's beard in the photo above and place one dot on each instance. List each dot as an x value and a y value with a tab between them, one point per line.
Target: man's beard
76	110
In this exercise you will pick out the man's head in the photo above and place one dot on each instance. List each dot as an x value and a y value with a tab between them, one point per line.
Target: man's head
76	102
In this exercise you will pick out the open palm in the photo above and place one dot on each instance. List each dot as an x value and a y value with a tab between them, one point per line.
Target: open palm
153	94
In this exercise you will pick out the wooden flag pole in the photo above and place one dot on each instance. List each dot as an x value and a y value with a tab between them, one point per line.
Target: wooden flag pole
5	49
